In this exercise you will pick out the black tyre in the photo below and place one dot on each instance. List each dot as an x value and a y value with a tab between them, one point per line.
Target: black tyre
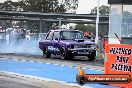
92	56
46	54
81	80
65	54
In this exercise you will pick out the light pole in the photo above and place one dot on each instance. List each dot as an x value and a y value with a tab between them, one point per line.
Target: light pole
59	23
97	23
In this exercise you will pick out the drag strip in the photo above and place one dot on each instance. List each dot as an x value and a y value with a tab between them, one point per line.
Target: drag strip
96	65
46	70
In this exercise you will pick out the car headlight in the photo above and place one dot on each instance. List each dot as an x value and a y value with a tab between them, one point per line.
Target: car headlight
72	46
94	46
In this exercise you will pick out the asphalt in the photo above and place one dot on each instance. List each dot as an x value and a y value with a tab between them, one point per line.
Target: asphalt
15	82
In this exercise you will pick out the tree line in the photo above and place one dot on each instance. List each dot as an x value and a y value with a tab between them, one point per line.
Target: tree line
103	29
45	6
50	6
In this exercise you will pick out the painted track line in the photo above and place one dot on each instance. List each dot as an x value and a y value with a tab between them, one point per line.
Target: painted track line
54	64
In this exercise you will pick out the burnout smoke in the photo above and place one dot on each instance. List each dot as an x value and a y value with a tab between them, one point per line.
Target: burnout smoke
29	46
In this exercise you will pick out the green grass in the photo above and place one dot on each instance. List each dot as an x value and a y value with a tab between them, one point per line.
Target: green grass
99	55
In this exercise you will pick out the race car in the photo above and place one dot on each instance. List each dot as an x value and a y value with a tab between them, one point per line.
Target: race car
67	44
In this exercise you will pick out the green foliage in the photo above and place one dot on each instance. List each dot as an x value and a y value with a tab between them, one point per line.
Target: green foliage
87	27
70	5
42	6
9	5
103	29
48	6
5	24
103	10
92	28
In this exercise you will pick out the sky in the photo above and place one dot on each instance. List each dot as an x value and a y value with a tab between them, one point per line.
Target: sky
84	6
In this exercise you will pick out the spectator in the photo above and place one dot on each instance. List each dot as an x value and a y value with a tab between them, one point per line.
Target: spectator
71	28
104	40
15	36
2	39
32	35
22	35
87	35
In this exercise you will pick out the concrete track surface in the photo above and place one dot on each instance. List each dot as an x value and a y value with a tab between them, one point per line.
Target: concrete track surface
15	81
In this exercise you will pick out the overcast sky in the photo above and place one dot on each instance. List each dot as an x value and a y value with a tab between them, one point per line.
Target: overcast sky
84	6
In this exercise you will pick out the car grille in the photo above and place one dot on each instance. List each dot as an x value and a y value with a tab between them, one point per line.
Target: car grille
82	46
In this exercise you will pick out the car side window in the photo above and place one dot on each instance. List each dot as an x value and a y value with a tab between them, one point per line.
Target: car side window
56	35
49	37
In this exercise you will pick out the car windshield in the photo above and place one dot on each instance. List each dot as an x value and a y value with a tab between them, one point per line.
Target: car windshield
70	35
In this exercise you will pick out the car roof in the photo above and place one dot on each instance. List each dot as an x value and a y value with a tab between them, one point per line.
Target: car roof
64	30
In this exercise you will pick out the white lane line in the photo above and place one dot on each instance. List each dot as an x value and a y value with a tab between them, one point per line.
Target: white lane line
71	66
76	67
15	59
57	64
54	64
47	63
30	61
62	65
96	70
23	60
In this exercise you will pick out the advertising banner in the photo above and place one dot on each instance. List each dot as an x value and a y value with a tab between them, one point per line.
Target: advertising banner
118	60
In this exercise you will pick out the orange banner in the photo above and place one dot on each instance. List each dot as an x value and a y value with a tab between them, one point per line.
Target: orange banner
118	59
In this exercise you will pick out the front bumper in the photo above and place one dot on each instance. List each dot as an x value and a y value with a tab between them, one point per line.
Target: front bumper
82	51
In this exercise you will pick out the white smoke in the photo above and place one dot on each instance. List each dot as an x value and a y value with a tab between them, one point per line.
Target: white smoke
25	46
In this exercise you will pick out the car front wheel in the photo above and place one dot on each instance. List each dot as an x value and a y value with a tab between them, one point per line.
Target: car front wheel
92	56
66	54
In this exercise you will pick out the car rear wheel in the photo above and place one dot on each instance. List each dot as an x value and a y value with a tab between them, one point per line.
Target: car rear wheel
46	54
92	56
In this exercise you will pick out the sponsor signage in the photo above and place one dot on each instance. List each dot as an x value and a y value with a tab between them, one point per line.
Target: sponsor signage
107	78
118	59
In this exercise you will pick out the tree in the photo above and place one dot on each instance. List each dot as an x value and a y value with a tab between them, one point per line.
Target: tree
103	10
70	5
9	5
86	28
47	6
50	6
5	24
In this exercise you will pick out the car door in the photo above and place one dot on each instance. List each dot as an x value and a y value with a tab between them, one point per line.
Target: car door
48	42
55	42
